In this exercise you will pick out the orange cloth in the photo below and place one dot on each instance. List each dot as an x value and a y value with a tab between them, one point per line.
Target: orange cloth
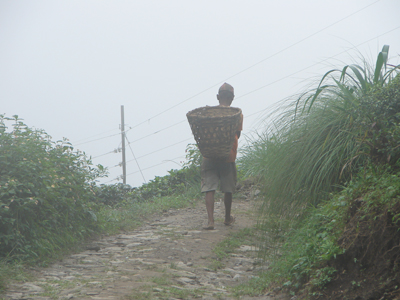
232	155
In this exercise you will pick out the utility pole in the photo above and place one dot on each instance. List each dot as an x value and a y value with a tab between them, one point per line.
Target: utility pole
123	145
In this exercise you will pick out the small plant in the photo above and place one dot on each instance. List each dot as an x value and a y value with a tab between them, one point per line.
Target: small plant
173	266
216	265
226	247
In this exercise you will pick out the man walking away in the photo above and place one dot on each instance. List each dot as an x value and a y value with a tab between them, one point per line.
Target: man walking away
223	172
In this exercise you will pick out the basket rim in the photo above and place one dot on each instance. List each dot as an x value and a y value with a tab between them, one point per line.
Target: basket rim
238	111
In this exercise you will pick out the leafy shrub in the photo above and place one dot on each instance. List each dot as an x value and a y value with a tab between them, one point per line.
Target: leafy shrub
113	195
319	140
349	123
379	115
176	182
46	197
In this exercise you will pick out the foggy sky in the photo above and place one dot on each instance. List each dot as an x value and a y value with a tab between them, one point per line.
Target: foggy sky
68	66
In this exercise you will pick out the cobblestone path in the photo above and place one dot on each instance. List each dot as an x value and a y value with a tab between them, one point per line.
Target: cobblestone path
169	257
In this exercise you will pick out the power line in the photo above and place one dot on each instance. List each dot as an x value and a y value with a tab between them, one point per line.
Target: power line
259	62
158	131
81	140
97	139
163	162
246	94
242	71
273	82
162	149
114	151
103	137
294	73
129	144
270	83
169	146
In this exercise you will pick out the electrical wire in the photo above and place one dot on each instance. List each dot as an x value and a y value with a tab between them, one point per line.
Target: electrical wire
97	139
163	162
264	86
129	144
242	71
161	149
169	146
114	151
294	73
273	82
158	131
241	96
82	140
259	62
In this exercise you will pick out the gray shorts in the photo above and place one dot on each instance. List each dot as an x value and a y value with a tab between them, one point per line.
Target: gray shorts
213	172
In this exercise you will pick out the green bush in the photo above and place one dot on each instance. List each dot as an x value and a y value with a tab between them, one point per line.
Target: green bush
356	227
113	195
319	140
176	182
348	125
46	197
379	114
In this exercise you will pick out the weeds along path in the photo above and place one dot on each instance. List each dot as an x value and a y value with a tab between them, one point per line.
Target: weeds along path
169	257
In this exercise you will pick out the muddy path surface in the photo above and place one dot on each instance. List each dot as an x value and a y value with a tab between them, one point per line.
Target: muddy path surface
168	257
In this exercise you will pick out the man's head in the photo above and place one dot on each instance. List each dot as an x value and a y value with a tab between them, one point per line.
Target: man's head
225	94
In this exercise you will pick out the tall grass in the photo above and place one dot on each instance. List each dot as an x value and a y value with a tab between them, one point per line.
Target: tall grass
316	141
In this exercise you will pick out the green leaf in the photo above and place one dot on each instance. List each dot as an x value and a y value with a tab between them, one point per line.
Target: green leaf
380	62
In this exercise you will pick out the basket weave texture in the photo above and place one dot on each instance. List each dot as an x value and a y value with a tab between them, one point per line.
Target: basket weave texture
214	129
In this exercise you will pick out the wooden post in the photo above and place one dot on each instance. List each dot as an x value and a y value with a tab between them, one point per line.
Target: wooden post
123	145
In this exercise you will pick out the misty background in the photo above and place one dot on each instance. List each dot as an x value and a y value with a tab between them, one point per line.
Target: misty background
68	66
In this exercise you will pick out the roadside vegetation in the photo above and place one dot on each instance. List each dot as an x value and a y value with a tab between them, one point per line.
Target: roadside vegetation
328	164
50	203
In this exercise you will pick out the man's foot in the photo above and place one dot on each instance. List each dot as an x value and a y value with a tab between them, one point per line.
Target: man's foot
230	222
208	227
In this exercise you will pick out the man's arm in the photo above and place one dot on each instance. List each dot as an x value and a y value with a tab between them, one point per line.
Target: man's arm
240	126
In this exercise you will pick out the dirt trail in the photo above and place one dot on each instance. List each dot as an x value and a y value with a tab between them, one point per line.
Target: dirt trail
169	257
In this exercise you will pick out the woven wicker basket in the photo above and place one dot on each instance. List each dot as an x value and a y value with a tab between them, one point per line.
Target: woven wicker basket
214	129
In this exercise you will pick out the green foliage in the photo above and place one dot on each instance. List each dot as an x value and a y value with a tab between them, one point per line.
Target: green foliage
112	195
193	157
131	212
235	240
310	244
310	149
308	254
305	249
379	116
319	140
12	269
176	182
352	82
49	200
45	192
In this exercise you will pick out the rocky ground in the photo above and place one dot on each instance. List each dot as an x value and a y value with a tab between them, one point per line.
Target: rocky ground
169	257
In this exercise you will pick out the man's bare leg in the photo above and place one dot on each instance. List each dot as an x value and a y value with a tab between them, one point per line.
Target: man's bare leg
228	206
210	209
